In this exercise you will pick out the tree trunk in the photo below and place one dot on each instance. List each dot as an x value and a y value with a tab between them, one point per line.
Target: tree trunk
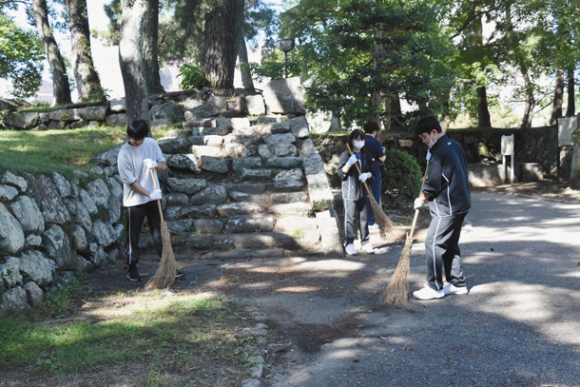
87	79
60	85
219	58
571	109
244	65
558	98
483	117
138	56
530	101
150	47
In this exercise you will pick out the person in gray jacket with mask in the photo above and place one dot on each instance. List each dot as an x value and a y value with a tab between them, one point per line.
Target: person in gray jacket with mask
446	189
354	195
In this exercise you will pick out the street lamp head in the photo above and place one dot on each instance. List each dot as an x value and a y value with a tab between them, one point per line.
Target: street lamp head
285	45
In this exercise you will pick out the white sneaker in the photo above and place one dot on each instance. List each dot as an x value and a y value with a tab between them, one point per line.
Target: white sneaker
373	226
350	250
369	249
452	289
428	294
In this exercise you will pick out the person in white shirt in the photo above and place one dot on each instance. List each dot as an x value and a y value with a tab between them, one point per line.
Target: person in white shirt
137	157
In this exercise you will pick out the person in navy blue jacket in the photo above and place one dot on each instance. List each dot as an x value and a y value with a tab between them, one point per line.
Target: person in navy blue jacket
375	149
354	194
446	189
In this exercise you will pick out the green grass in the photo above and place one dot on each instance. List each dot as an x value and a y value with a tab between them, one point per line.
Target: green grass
185	333
63	151
55	150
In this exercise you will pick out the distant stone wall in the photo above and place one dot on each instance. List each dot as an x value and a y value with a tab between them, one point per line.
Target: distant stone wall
482	147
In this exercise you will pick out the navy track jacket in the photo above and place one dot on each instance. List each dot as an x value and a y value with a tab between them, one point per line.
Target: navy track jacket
447	180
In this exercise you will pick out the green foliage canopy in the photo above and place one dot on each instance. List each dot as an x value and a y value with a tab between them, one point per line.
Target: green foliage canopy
21	56
351	49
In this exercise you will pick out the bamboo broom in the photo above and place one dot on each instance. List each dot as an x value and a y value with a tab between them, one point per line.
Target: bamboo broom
165	275
397	293
385	224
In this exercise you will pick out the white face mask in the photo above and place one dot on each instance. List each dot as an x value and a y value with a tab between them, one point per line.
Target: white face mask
358	144
431	141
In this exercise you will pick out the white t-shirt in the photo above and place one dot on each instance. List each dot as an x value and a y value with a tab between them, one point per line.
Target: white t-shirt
132	169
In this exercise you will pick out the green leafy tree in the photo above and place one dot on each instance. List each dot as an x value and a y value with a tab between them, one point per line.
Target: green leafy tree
356	55
21	57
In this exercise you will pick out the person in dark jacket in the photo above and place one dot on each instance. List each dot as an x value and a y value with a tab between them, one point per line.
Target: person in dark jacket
376	150
354	194
446	189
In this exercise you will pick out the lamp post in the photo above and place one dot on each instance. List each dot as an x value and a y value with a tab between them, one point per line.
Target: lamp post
285	45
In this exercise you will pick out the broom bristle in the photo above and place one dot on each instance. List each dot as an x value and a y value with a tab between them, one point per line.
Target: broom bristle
397	293
385	224
165	275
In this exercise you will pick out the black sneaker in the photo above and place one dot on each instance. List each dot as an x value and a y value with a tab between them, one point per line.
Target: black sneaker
179	274
133	274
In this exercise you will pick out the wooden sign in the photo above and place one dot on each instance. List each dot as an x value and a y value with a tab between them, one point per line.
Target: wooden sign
405	143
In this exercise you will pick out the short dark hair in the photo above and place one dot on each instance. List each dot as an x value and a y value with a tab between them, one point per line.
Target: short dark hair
357	133
371	127
426	124
138	129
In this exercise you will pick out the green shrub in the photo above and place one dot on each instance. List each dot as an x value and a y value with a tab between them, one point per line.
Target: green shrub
192	77
401	182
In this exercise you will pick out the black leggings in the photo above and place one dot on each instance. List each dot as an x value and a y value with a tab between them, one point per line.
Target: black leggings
135	217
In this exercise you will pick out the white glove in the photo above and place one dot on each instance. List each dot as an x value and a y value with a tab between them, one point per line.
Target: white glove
150	163
351	161
418	203
363	177
155	195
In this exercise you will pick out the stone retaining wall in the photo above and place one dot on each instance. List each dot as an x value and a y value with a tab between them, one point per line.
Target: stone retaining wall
231	183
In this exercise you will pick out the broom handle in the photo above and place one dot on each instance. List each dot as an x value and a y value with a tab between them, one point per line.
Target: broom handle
414	223
359	171
155	187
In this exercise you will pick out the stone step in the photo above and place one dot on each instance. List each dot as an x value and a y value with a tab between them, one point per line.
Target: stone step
255	241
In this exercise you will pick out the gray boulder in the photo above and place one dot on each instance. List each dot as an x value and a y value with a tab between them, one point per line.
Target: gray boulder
103	233
34	293
255	105
58	247
28	214
11	233
216	194
250	223
289	179
62	184
14	302
7	192
93	113
10	273
36	266
214	164
186	186
23	120
13	180
285	96
51	204
99	191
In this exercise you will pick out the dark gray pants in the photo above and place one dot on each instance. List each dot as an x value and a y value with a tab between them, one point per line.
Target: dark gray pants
355	219
135	217
442	251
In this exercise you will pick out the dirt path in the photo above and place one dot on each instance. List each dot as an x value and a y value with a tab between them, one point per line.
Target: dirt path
318	304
